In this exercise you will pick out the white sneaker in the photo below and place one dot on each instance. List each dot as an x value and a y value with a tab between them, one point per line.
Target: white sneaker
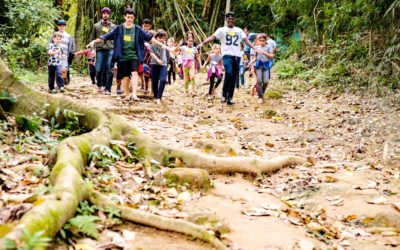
260	100
135	98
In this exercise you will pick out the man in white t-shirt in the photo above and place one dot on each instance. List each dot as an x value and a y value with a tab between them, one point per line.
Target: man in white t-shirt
231	37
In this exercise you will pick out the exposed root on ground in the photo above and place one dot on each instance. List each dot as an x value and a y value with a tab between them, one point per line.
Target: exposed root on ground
68	186
156	221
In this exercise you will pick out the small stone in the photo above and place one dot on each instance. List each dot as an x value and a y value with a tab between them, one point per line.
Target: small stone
138	166
193	177
273	94
387	219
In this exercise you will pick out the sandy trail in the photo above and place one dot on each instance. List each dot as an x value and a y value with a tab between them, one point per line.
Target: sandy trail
342	134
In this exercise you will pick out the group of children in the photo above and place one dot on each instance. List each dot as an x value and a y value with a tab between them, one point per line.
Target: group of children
161	62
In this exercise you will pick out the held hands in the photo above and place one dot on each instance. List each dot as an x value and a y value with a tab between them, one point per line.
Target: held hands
199	46
91	44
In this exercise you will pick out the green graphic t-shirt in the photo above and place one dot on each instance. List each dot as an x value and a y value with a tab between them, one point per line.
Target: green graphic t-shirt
129	46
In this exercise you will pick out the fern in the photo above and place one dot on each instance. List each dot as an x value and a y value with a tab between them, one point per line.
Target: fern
35	240
86	224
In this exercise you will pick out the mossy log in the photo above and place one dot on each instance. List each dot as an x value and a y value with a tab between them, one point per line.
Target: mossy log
69	188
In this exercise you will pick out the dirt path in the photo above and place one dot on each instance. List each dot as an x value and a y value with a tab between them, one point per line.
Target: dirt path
328	203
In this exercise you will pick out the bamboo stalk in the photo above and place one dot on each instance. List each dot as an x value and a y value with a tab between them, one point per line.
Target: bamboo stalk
179	17
198	25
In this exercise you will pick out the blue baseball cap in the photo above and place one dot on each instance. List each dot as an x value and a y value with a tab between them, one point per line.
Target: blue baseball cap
61	22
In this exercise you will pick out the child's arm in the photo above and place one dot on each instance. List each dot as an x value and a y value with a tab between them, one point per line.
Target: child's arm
205	63
84	52
198	58
252	59
160	62
51	51
267	54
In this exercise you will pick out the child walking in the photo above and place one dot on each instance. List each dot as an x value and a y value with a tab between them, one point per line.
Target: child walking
159	62
171	62
241	68
215	70
189	66
261	56
54	64
91	58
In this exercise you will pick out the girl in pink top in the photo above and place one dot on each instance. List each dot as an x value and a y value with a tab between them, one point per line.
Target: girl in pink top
91	60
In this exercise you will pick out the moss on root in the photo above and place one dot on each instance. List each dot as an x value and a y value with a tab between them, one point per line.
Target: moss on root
68	186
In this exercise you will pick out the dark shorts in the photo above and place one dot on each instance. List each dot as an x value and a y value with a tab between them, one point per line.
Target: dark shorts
140	70
125	68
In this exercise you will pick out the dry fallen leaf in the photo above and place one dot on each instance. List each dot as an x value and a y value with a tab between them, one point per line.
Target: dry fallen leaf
337	203
378	201
396	205
255	211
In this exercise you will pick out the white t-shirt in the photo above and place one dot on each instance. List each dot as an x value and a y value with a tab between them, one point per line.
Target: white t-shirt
271	43
230	40
188	53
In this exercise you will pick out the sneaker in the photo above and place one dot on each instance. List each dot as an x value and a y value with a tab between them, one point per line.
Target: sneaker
107	92
119	92
209	97
158	101
53	91
260	100
135	98
127	98
99	89
62	89
223	100
230	102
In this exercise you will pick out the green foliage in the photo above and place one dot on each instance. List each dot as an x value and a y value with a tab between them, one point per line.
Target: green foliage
86	209
31	241
31	124
112	212
85	223
107	156
66	122
25	33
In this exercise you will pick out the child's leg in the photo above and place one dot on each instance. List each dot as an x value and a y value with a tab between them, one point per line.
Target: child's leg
155	77
92	73
163	80
59	79
169	67
219	80
260	81
173	72
212	79
192	73
51	77
266	77
186	74
241	72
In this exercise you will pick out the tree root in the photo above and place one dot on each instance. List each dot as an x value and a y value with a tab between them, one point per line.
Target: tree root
3	115
52	213
213	164
156	221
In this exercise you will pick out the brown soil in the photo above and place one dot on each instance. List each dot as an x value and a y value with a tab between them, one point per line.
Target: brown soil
344	135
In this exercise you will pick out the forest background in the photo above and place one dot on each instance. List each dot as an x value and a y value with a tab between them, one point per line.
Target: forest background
348	44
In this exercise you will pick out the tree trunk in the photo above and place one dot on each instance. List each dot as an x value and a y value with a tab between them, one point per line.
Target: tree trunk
78	24
227	8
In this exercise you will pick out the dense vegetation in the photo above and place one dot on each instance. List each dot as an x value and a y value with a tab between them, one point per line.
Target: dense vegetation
343	43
